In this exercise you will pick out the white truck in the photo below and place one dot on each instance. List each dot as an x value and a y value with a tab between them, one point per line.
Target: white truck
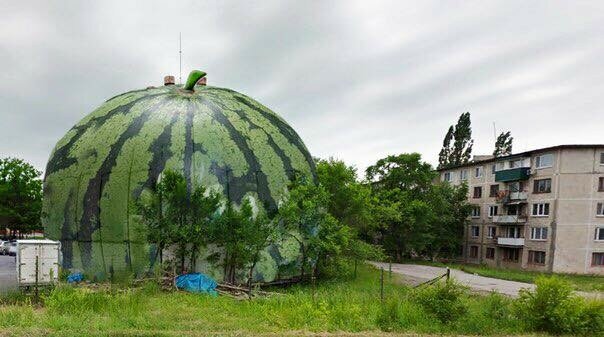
37	262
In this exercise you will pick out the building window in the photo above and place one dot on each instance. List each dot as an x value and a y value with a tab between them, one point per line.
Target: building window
544	160
463	175
597	259
490	254
538	233
542	186
516	186
474	251
515	163
494	189
600	209
536	257
541	209
447	176
476	212
599	234
601	184
475	231
492	211
513	232
493	168
477	192
602	158
491	232
511	254
478	172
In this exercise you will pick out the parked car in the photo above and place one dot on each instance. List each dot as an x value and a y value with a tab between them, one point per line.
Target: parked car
4	247
12	249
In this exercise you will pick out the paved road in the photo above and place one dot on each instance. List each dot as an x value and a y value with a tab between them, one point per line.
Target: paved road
8	275
415	274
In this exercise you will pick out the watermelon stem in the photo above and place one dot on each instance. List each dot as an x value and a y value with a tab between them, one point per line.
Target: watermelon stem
194	76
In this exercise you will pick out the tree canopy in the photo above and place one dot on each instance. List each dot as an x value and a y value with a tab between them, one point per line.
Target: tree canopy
460	150
20	196
415	215
503	144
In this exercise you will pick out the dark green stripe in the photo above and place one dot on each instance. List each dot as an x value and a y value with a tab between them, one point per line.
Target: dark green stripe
93	193
160	149
239	186
189	145
61	160
284	128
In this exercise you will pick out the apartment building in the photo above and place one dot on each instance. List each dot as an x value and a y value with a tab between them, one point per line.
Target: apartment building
537	210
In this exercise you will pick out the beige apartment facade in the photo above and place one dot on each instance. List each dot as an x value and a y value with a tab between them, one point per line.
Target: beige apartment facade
537	210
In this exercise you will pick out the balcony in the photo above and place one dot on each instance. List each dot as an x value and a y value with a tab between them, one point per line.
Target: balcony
518	196
509	219
513	174
507	196
514	242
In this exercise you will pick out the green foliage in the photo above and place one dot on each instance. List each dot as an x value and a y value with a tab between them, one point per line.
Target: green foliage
462	146
449	211
174	215
301	217
20	196
326	242
241	236
553	308
350	202
413	215
503	144
461	150
406	172
444	157
444	300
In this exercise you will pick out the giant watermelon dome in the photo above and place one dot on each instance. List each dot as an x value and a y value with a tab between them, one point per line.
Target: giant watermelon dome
215	137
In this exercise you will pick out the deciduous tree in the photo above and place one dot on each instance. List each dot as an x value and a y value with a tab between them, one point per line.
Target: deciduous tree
20	196
503	144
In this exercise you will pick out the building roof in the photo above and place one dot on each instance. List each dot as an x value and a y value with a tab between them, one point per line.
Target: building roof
523	154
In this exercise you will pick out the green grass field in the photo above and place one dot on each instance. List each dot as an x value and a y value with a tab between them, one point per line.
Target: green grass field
341	308
578	282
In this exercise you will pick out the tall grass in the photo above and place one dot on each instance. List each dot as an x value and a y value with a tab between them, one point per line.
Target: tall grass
350	305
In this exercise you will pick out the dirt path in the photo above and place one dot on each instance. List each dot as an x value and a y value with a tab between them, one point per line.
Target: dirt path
415	274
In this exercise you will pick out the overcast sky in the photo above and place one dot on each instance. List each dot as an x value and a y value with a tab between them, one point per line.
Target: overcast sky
357	80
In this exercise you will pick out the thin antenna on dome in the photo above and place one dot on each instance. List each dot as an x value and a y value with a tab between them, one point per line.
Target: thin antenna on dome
179	57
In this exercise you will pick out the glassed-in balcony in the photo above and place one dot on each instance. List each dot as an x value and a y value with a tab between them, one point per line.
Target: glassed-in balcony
509	219
515	242
513	174
507	196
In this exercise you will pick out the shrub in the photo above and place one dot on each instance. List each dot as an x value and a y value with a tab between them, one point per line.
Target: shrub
443	300
552	308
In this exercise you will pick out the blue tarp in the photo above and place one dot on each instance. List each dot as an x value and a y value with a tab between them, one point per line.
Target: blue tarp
75	278
196	283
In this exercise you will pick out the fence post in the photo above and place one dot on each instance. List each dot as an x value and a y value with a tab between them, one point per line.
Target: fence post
314	291
249	291
37	295
382	285
390	267
448	273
